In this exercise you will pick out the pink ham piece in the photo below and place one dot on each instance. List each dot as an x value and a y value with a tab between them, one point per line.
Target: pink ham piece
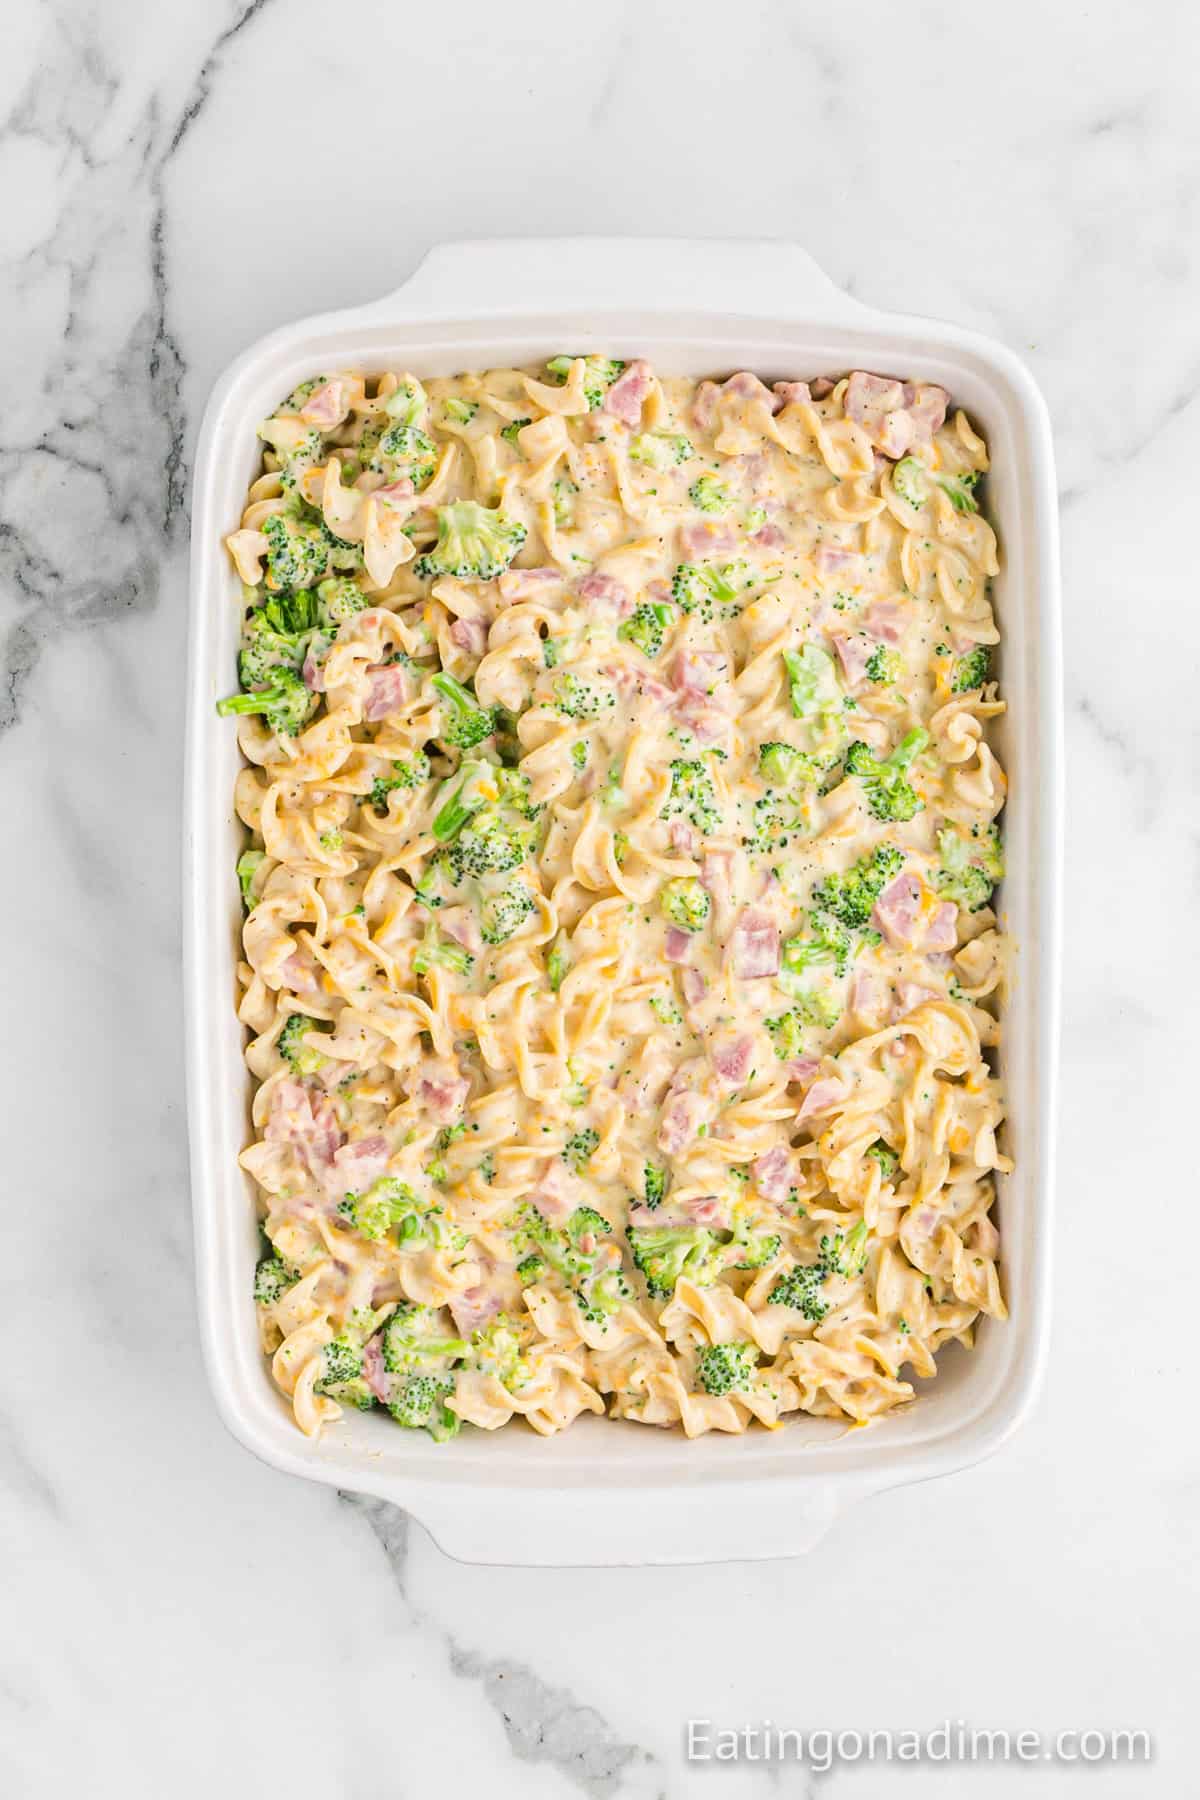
527	584
755	946
557	1192
866	996
438	1088
941	933
356	1166
604	594
910	995
325	407
472	1309
823	1094
699	671
374	1373
793	393
682	1116
885	619
775	1174
928	412
694	986
394	492
801	1069
704	407
821	387
897	911
462	924
684	837
854	653
302	1117
470	635
732	1059
299	974
313	671
389	687
744	386
707	1210
626	396
705	717
894	414
678	945
703	539
830	560
768	537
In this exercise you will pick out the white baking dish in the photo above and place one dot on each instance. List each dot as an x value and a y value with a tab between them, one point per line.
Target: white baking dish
610	1492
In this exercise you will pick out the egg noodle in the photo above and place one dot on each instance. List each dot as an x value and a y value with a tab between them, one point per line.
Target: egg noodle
619	962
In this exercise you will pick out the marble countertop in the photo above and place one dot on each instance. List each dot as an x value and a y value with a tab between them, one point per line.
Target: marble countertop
178	1619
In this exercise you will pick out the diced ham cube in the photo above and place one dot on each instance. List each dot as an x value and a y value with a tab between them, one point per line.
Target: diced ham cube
897	911
472	1309
326	406
793	393
699	671
775	1174
462	924
910	995
393	493
821	387
374	1373
626	397
438	1087
755	946
704	407
732	1060
854	653
941	933
706	1210
678	944
866	996
389	687
684	837
557	1193
470	635
829	1091
301	1116
830	560
704	538
683	1114
705	717
885	619
801	1069
928	412
314	669
768	537
356	1166
694	986
604	594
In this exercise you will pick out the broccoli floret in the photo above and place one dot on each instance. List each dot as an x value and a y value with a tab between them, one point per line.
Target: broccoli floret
884	665
248	865
777	820
686	903
826	942
497	1350
599	1296
341	598
971	670
654	1181
301	1058
813	1010
664	1253
850	898
297	552
660	449
700	588
800	1289
509	432
647	628
910	478
420	1402
971	866
563	494
341	1374
407	775
534	1238
532	1268
754	1248
784	767
474	543
815	691
577	1151
960	490
434	953
708	495
692	796
557	962
464	722
599	374
272	1278
886	1157
494	841
846	1253
502	914
411	1342
888	794
408	451
408	404
391	1206
266	649
579	699
461	412
286	704
727	1368
462	797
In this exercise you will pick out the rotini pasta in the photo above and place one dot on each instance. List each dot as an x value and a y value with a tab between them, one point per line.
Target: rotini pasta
620	969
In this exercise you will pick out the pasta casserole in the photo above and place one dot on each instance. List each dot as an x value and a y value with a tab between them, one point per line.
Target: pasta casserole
619	959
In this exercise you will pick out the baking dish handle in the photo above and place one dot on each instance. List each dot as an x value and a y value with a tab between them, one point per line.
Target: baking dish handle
477	278
603	1529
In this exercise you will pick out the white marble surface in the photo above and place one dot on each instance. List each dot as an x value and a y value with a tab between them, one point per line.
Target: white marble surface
176	1618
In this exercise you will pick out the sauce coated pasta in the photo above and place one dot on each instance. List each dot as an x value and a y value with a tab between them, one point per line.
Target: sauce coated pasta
619	957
